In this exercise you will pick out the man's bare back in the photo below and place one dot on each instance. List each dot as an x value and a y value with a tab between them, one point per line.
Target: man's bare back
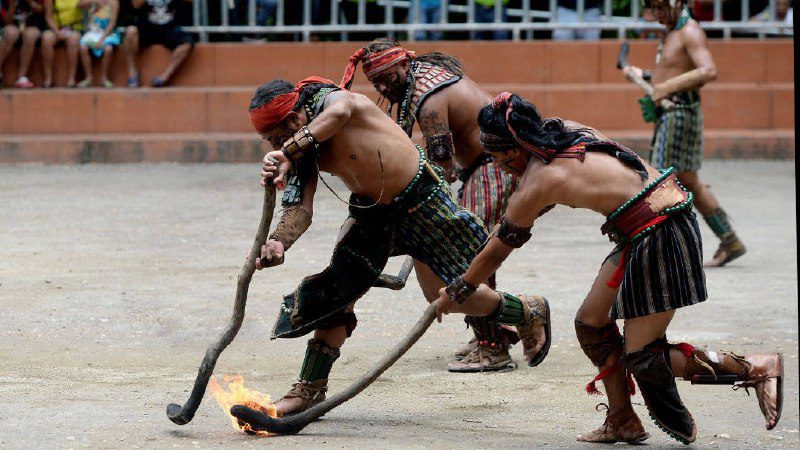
455	109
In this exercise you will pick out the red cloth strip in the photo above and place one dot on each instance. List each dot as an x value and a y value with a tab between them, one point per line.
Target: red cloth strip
269	115
687	349
373	64
619	274
591	388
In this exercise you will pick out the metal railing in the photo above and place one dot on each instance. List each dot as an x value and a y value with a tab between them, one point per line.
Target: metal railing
519	22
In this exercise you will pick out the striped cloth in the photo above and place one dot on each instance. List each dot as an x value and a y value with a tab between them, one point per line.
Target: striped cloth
664	270
486	192
441	234
678	136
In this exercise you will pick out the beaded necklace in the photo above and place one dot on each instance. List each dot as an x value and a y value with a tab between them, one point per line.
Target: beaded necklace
404	117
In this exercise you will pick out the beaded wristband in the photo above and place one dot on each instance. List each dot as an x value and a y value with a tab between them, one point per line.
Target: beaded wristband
459	290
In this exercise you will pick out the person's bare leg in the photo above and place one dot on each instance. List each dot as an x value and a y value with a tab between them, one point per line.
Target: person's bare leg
131	46
29	38
10	36
178	56
105	62
86	63
730	246
602	343
48	44
73	42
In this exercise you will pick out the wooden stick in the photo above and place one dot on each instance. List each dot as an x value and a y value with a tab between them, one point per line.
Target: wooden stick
182	415
293	424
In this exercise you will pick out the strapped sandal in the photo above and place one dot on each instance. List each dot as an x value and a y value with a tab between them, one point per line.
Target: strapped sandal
537	312
729	249
310	394
486	357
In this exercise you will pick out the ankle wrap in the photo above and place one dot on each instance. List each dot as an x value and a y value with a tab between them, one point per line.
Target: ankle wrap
318	361
719	223
489	333
510	311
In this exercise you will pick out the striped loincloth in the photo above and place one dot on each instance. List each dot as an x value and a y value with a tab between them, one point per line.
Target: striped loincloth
664	270
486	192
678	135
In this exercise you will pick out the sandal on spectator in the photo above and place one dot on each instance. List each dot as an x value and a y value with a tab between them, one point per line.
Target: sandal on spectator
23	83
158	82
108	83
133	82
85	83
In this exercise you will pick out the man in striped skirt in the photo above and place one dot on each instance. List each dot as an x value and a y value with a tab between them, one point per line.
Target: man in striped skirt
433	91
400	205
683	66
655	269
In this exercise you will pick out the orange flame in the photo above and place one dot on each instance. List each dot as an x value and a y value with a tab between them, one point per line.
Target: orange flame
237	394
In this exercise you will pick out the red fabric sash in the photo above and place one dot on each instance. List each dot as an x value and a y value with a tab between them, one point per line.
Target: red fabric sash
269	115
619	274
373	64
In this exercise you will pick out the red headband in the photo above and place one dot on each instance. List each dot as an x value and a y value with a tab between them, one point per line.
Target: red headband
271	114
374	63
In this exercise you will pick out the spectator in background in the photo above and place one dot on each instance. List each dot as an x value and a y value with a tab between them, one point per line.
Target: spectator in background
783	13
65	21
27	16
157	24
484	13
430	11
101	37
374	14
567	12
265	12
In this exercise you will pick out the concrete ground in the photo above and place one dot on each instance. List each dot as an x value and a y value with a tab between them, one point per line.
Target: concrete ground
115	278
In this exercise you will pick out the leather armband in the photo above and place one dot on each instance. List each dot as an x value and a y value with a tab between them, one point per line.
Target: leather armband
512	235
294	222
440	147
301	143
459	290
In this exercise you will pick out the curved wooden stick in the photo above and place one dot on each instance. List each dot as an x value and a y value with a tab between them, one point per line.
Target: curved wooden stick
182	415
293	424
397	282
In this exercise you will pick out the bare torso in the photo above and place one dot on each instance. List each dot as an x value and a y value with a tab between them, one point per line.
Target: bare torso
675	59
455	108
353	153
600	182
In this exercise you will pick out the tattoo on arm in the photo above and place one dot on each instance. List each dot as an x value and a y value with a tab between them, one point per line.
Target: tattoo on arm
438	137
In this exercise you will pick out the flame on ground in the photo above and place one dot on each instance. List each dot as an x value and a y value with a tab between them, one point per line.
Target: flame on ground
237	394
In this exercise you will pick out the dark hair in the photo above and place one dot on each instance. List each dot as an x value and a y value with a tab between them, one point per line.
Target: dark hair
450	63
528	125
271	89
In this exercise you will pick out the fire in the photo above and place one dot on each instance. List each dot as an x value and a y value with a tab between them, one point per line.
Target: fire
237	394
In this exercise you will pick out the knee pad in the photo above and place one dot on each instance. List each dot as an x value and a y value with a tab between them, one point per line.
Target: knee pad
599	343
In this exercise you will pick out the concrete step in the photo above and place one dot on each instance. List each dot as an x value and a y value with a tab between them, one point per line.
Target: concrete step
246	147
224	109
235	64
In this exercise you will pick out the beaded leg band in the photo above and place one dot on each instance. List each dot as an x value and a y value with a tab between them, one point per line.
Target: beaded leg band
318	361
719	223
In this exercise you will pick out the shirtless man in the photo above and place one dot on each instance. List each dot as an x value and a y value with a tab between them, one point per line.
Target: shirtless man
400	204
432	90
683	66
655	268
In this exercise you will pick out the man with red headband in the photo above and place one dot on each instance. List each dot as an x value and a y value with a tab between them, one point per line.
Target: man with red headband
656	268
400	204
432	91
683	65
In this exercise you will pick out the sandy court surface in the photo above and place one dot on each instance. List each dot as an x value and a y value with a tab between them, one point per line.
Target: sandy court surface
115	278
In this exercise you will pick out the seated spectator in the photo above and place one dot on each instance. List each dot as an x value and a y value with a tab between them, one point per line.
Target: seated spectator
783	13
567	12
265	12
28	16
430	11
101	36
157	24
484	13
65	21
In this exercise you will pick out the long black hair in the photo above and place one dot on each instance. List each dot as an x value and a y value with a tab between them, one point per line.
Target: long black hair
271	89
528	125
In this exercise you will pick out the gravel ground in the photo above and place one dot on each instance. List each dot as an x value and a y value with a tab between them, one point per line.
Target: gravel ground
115	278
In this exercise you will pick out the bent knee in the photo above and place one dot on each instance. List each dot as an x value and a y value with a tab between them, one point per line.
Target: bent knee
587	317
